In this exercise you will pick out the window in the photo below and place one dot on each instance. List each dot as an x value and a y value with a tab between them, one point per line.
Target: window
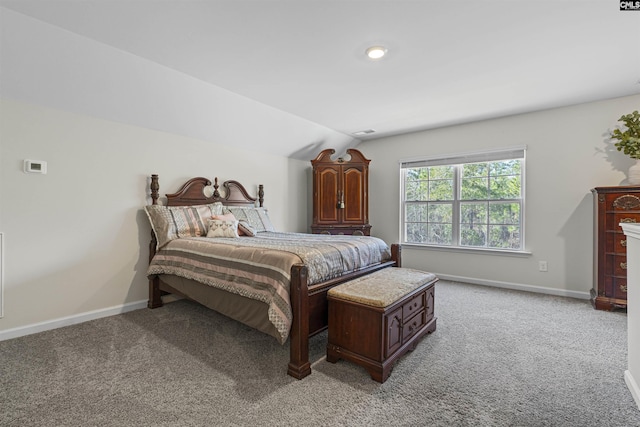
473	200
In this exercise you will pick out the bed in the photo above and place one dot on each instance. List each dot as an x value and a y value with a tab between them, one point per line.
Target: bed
274	282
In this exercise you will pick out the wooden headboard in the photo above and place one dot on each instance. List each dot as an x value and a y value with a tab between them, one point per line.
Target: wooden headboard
193	192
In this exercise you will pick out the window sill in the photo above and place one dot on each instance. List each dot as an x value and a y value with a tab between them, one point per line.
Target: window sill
479	251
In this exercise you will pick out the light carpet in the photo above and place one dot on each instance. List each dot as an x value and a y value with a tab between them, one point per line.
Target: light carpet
497	358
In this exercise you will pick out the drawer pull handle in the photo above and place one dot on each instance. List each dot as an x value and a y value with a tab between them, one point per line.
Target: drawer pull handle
623	265
414	324
628	220
623	288
623	243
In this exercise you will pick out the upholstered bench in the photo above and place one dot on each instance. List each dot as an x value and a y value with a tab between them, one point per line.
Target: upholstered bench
375	319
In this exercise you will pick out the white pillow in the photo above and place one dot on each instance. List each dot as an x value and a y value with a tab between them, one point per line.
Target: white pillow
222	228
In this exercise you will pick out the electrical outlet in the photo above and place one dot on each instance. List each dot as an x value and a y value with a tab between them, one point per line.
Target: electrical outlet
542	265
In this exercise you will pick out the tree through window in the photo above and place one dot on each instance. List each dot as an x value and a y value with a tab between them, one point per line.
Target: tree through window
473	200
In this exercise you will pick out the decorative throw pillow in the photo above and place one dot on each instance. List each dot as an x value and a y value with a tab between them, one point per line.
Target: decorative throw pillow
222	228
245	229
227	217
256	217
174	222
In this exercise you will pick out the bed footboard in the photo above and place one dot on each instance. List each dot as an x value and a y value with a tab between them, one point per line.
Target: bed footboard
310	310
299	366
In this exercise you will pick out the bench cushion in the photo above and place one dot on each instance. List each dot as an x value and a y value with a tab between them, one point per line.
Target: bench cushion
383	287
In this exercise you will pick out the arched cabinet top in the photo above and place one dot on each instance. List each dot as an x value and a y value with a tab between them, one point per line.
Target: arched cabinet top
355	156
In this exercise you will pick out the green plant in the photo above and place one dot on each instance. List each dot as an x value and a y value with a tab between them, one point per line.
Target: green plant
629	140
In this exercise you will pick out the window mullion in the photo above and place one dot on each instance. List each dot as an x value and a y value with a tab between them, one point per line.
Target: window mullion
457	179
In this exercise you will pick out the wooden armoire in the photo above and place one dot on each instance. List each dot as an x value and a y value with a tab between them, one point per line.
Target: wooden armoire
341	194
612	206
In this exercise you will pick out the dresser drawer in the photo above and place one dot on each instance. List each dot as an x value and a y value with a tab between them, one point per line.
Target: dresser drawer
616	265
613	220
620	265
620	200
620	290
623	201
616	242
616	287
626	217
341	231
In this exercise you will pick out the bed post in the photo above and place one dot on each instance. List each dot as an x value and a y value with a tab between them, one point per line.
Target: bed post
261	194
396	254
155	300
299	366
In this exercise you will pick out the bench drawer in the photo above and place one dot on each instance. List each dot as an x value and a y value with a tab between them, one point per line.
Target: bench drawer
413	325
412	307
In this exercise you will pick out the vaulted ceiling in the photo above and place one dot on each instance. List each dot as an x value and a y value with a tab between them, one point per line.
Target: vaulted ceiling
447	62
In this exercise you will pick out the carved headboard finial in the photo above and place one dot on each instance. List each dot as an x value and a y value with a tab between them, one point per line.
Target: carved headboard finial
155	188
216	193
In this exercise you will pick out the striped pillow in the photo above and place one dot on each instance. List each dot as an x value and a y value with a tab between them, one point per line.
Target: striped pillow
174	222
256	217
245	229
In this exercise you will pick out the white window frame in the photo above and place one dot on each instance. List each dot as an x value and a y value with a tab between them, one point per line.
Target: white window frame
518	152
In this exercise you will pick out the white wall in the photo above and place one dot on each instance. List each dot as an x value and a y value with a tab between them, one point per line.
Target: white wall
76	239
568	154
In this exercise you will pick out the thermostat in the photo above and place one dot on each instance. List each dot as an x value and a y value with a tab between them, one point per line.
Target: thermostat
35	166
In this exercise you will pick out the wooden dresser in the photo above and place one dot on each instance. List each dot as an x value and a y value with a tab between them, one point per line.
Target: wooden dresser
340	194
612	206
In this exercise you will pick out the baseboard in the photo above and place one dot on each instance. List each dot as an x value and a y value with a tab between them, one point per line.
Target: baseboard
111	311
70	320
633	387
516	286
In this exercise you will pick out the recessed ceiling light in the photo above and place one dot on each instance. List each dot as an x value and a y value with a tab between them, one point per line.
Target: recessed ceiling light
376	52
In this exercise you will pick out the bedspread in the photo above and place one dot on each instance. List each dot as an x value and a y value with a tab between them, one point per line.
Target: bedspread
260	267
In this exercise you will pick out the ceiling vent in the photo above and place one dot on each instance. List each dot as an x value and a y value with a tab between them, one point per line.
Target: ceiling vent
364	132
